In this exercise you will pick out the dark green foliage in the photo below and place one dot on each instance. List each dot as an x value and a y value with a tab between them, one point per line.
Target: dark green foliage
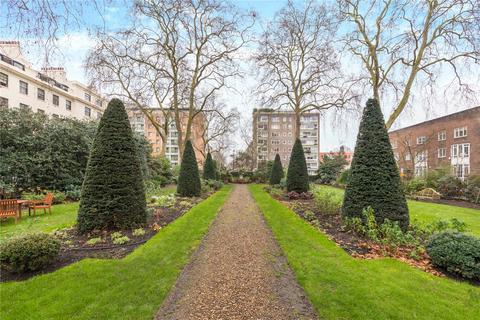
457	252
29	252
277	171
113	195
374	180
189	179
472	192
450	186
330	167
38	152
261	174
161	171
297	175
209	168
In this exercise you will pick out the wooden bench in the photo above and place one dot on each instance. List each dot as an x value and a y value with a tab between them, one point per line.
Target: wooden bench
9	208
44	204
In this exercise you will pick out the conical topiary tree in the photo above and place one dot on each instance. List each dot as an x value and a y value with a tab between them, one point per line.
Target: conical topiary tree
297	175
113	195
277	171
374	179
209	168
189	179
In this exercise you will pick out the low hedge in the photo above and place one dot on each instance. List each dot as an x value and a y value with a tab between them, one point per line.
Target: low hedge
29	252
456	252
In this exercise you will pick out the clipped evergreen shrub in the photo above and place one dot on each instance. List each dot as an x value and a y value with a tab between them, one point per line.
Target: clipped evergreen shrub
374	178
457	252
189	179
113	195
277	171
297	175
209	172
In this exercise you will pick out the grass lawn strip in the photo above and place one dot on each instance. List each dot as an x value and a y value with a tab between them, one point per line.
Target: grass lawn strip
130	288
423	213
341	287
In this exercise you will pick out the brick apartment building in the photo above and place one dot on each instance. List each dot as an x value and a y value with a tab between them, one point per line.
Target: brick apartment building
140	123
452	140
274	132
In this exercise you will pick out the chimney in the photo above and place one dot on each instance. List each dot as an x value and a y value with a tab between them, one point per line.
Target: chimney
11	48
57	73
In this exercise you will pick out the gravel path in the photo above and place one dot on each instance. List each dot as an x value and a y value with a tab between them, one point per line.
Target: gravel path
238	272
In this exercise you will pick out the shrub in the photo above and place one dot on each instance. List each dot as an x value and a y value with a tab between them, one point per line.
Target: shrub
73	192
166	200
450	187
344	177
297	175
277	171
327	201
414	185
94	241
113	195
58	196
29	252
189	184
121	240
161	170
213	184
330	167
472	191
209	168
374	179
138	232
456	252
293	195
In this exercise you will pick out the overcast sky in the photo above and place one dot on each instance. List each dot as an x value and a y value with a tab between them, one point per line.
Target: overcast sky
336	129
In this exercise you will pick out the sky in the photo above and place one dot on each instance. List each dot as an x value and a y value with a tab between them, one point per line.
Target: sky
336	129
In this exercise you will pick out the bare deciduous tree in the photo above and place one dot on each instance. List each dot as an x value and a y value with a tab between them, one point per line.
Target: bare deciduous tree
403	43
186	51
300	68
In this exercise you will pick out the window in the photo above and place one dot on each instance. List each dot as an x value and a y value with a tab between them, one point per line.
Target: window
461	150
394	144
274	134
263	118
23	87
461	171
275	119
24	107
442	152
421	140
460	132
420	171
275	142
88	97
56	100
98	102
408	157
88	112
3	80
421	156
68	105
442	135
3	102
41	94
275	126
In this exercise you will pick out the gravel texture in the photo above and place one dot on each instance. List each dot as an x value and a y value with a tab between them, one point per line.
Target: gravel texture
238	272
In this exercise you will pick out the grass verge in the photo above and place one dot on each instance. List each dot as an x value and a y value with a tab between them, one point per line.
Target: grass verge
341	287
423	213
130	288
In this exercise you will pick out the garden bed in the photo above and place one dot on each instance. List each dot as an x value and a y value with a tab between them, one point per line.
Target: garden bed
76	247
357	245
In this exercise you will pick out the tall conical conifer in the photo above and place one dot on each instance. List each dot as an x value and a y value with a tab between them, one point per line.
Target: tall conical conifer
297	175
189	179
374	179
277	171
113	195
209	168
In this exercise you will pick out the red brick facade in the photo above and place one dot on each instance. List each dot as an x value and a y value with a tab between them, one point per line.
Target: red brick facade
452	140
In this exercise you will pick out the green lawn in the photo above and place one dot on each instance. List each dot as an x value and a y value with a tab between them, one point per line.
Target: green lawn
129	288
423	213
63	215
341	287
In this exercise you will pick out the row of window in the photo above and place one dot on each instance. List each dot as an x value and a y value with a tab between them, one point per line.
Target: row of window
442	135
461	150
23	88
4	104
459	170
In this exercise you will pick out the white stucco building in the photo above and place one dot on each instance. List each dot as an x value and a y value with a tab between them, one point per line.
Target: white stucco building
47	90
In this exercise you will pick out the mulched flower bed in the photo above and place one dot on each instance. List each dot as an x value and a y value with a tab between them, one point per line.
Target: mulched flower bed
358	246
75	247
